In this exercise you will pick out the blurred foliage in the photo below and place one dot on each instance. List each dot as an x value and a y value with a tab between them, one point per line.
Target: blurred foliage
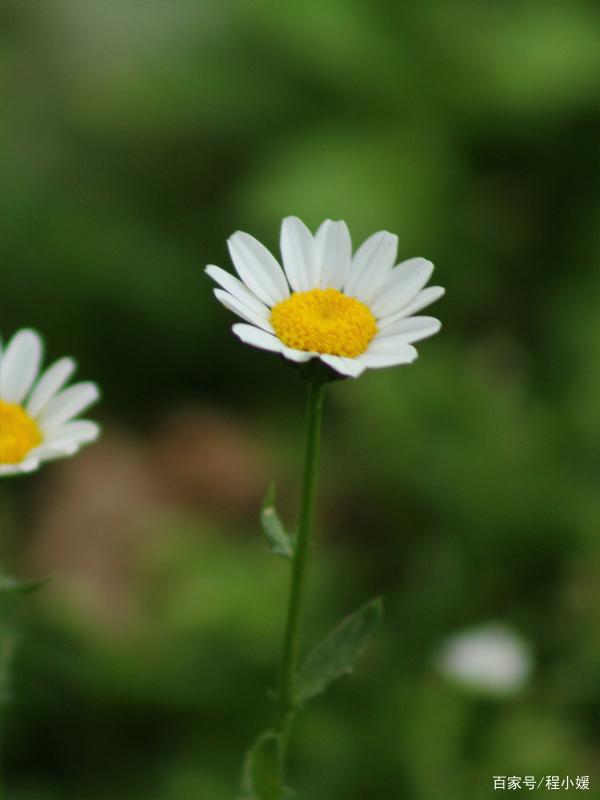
135	137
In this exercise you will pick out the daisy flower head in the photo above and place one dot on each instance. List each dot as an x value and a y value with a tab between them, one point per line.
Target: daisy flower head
37	415
351	311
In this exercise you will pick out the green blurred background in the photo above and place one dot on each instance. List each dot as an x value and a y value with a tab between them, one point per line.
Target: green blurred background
135	136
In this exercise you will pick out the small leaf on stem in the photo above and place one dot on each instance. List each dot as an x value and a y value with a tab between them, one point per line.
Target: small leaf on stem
15	586
280	542
337	654
261	775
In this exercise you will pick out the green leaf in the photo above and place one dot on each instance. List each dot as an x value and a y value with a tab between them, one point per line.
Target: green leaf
261	775
337	654
14	586
280	541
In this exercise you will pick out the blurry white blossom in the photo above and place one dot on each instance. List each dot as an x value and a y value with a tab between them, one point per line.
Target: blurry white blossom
491	658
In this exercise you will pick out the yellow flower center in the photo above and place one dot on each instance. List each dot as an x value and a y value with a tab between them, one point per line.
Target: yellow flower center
18	433
324	321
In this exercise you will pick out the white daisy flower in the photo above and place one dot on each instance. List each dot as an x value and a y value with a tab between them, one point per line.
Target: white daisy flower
351	311
36	414
491	658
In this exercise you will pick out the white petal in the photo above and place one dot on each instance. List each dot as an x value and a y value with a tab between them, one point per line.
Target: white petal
400	353
66	405
79	432
45	452
10	469
29	465
236	288
371	263
50	453
233	304
20	365
411	329
334	248
352	367
257	338
424	298
258	268
299	254
51	381
401	285
300	356
379	361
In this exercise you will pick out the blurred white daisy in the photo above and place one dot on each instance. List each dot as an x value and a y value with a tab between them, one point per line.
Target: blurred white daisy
36	414
491	658
351	311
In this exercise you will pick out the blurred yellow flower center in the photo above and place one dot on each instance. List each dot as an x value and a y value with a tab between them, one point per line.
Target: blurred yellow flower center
18	433
324	321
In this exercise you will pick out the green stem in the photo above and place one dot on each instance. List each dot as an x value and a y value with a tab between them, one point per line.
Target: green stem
5	653
4	656
1	791
289	662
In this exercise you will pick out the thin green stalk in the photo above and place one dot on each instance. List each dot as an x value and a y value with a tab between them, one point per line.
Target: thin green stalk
1	791
4	657
289	662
